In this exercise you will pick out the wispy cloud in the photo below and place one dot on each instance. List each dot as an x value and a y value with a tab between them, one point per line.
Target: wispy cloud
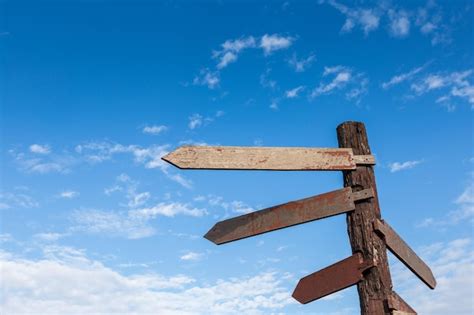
235	206
42	161
301	65
40	149
367	19
293	93
17	199
274	42
191	256
400	166
197	120
207	78
49	236
110	223
464	212
428	19
154	129
399	78
355	84
68	194
452	264
399	23
454	85
231	49
167	209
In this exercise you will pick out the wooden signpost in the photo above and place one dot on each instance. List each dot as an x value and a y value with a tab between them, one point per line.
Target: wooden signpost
369	235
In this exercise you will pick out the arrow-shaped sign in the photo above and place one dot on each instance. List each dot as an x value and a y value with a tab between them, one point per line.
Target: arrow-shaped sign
266	158
285	215
400	249
331	279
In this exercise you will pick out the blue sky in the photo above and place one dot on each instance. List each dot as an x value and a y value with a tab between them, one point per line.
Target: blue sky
95	92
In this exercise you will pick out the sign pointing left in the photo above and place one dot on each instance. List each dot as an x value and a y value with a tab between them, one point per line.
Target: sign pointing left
266	158
285	215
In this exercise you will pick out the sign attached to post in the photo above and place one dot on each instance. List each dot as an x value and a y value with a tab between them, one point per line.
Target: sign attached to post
403	252
285	215
266	158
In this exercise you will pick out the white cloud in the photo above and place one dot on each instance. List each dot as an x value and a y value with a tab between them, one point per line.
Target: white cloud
42	163
463	214
428	19
400	166
154	130
274	42
367	19
274	105
110	223
5	237
293	93
207	78
231	49
300	65
68	194
66	281
192	256
50	237
343	78
12	200
235	206
397	79
453	266
399	23
454	84
40	149
195	121
265	80
337	82
168	210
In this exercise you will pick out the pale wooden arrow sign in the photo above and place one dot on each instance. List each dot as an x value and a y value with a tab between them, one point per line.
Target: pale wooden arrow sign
407	256
266	158
285	215
336	277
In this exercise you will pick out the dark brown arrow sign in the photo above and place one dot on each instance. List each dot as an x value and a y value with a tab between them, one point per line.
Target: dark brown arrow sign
407	256
266	158
336	277
285	215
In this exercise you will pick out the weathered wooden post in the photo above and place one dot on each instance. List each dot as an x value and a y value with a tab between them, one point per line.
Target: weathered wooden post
375	291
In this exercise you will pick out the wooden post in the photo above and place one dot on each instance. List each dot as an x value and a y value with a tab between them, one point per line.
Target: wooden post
375	290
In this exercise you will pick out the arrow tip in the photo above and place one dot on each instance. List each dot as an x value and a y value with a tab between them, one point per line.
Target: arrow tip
297	294
171	158
211	235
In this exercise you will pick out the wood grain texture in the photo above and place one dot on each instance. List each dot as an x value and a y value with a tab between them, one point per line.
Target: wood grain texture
376	288
285	215
403	252
264	158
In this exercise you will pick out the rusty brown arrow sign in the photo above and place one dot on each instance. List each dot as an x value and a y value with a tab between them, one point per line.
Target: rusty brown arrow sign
285	215
266	158
403	252
336	277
